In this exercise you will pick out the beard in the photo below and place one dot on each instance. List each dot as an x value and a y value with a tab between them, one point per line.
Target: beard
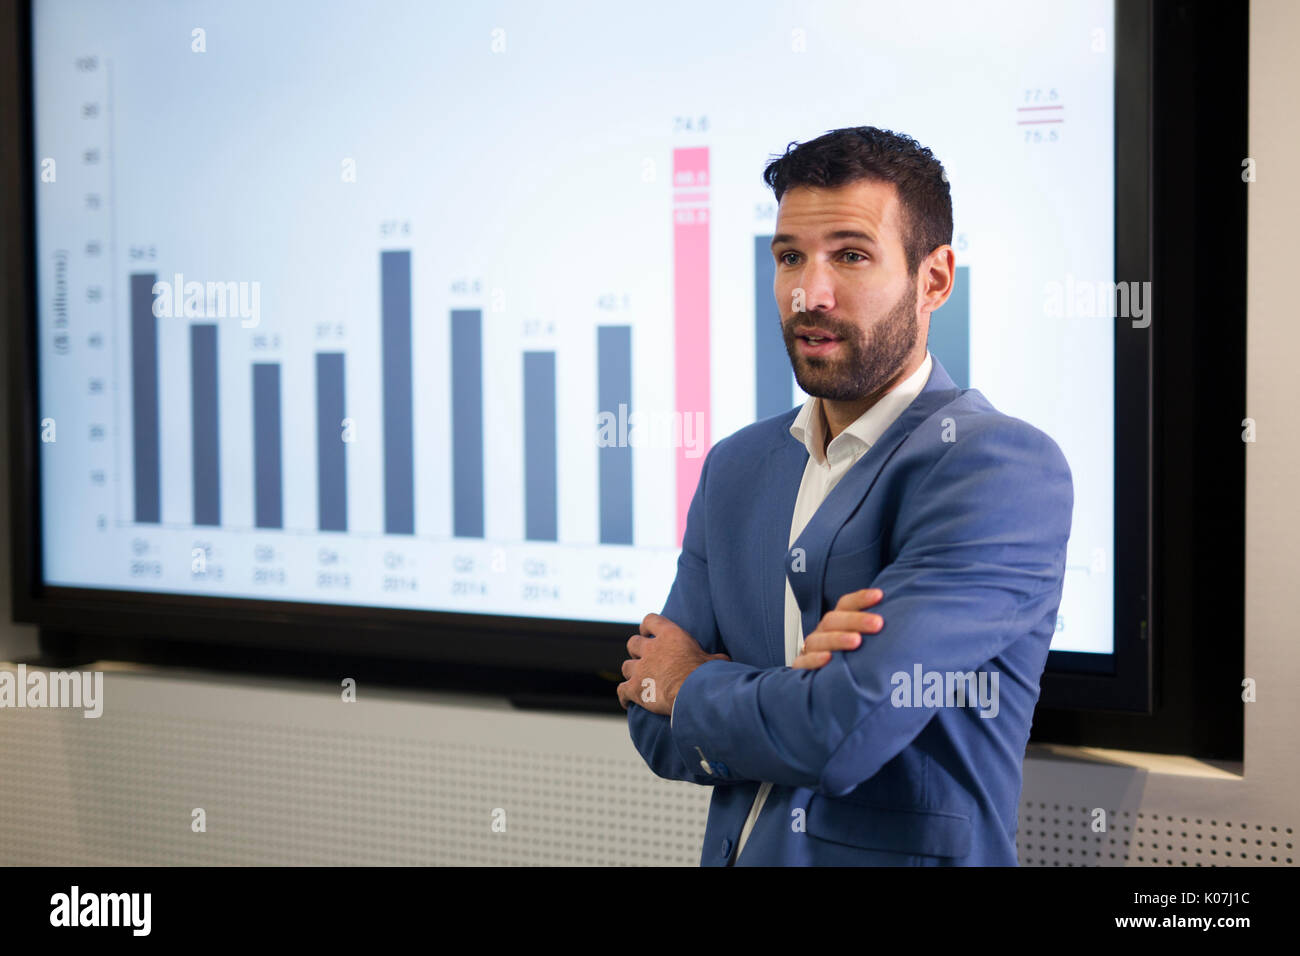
864	363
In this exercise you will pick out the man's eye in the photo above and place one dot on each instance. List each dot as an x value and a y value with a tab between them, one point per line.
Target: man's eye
848	252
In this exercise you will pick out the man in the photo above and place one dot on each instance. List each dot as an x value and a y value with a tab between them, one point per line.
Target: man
832	734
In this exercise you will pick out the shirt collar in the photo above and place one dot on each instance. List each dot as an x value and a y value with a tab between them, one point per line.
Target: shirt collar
868	427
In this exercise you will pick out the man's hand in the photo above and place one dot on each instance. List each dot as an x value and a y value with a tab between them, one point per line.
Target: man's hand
841	629
659	664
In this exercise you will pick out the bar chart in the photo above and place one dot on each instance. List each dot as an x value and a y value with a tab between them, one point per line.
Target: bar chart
469	353
540	476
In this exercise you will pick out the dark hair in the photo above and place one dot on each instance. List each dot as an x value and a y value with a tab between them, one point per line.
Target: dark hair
845	156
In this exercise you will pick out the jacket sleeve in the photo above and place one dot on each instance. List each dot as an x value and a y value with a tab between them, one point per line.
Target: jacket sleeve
690	606
981	561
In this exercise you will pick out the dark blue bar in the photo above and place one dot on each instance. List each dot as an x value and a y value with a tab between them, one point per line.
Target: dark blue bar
267	483
203	415
949	339
399	448
540	481
614	389
144	398
467	423
331	457
773	374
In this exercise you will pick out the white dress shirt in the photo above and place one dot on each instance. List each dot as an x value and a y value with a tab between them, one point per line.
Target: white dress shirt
820	476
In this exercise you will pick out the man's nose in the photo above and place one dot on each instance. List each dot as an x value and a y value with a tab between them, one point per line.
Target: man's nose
818	284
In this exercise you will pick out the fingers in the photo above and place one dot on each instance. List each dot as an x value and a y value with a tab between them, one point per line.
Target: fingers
832	641
834	634
817	649
653	624
861	621
866	597
811	661
625	689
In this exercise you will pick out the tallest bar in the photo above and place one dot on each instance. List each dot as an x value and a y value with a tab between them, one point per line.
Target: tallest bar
399	458
691	319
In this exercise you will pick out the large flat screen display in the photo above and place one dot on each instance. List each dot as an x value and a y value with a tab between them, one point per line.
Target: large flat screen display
440	307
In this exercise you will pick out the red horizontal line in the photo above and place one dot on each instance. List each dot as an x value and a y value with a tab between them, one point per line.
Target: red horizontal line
1021	109
1037	122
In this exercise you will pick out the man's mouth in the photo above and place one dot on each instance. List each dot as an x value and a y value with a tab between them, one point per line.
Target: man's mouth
816	341
816	336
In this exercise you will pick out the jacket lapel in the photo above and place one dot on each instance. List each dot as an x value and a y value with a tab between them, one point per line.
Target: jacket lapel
782	473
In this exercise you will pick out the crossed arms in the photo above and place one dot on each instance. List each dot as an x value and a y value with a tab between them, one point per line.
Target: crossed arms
983	549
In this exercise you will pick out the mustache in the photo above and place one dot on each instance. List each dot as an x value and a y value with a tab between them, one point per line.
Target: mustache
839	329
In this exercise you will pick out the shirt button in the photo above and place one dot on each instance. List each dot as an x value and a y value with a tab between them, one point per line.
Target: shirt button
726	848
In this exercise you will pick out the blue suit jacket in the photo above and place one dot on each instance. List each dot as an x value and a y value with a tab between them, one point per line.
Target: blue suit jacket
960	514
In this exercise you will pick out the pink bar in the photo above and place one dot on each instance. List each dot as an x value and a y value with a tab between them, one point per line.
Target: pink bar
691	318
